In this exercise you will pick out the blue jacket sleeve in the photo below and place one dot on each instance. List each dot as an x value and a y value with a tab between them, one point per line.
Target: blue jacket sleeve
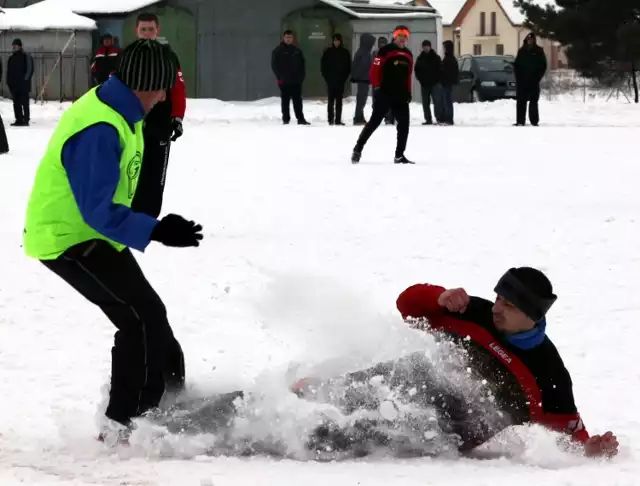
92	162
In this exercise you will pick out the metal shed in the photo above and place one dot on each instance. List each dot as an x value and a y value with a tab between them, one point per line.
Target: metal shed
60	44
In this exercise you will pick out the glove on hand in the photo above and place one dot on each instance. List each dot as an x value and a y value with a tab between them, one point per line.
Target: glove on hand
174	230
176	128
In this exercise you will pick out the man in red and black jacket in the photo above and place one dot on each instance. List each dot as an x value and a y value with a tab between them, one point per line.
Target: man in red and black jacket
162	126
507	346
390	75
105	61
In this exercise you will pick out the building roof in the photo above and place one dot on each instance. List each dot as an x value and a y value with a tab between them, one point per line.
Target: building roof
381	9
451	9
104	7
42	17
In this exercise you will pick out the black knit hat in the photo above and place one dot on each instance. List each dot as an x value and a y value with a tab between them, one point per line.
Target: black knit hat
147	65
17	42
529	290
337	37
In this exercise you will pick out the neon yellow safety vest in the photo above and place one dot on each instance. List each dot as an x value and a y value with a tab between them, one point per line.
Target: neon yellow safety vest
54	222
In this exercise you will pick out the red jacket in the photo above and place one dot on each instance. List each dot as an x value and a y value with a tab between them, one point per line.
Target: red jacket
538	377
105	63
392	70
178	96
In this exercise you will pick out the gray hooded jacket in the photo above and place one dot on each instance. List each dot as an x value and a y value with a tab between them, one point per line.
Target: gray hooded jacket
362	60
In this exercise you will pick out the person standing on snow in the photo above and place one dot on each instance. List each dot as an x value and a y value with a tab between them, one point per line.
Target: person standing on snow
390	76
19	74
449	77
360	76
530	68
288	66
105	61
427	71
335	66
162	126
80	225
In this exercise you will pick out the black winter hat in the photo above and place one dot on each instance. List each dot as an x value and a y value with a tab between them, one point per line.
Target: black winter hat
529	290
147	65
426	42
17	42
337	37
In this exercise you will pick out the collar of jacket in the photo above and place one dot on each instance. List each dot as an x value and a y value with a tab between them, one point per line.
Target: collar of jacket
529	339
119	97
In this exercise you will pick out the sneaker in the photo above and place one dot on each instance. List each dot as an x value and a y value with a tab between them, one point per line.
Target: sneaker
114	434
402	160
355	156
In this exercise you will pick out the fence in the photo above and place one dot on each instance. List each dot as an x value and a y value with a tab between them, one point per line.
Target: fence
70	79
566	82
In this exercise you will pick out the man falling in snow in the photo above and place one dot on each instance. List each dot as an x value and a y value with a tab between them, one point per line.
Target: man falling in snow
516	373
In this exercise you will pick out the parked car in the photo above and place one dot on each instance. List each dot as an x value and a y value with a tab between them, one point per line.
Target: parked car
485	78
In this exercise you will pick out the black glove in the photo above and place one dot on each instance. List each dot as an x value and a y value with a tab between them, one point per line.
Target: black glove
174	230
409	98
176	128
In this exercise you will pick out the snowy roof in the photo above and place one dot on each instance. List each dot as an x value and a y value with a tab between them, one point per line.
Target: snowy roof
42	17
381	9
449	9
101	6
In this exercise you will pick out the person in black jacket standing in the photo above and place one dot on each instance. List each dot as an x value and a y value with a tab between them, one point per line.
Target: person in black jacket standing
530	68
162	126
449	77
391	74
336	67
428	74
287	63
19	74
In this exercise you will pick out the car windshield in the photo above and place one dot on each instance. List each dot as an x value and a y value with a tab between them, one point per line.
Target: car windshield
494	64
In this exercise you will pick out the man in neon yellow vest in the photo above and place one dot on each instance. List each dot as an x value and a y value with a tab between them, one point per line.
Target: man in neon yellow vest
80	225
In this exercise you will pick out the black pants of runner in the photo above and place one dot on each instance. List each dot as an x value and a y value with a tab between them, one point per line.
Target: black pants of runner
529	95
153	173
334	108
146	357
382	104
21	106
291	93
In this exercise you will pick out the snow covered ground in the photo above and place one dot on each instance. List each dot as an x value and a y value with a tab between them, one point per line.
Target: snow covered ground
304	255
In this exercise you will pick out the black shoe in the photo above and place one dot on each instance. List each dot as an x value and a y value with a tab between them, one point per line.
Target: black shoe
303	122
18	123
340	124
359	123
355	156
518	124
428	123
331	123
402	160
285	122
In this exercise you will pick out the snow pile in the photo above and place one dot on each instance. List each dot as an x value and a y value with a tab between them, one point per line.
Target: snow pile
42	16
100	6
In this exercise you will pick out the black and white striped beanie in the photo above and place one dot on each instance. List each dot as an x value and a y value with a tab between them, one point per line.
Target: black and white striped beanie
147	65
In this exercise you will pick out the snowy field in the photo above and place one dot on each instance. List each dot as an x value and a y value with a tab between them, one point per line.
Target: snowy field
303	257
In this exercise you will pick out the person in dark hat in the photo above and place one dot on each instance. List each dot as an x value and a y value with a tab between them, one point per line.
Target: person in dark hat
19	75
105	60
335	67
494	367
530	67
428	67
80	225
507	346
391	79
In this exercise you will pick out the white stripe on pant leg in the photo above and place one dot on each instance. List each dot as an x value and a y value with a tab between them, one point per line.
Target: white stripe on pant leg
136	315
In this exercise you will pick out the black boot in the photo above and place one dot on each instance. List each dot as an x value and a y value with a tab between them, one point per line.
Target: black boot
355	156
402	160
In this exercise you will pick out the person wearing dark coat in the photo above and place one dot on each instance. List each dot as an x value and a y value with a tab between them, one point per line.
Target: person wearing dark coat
449	77
19	74
360	75
428	75
288	65
335	66
105	60
530	68
4	143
